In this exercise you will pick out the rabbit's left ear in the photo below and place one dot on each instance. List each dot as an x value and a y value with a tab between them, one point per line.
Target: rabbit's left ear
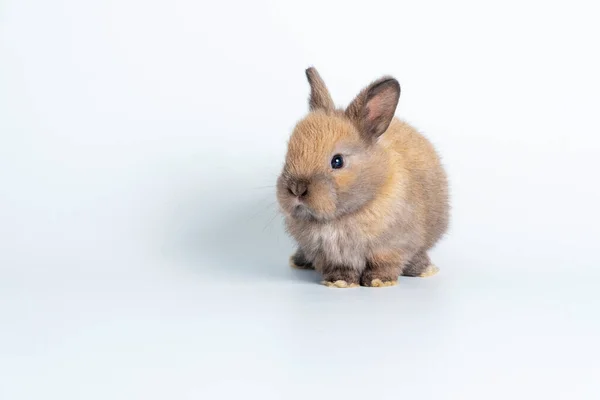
373	109
320	99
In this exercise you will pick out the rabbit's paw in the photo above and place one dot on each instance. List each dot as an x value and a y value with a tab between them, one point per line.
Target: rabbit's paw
380	283
431	270
299	261
339	284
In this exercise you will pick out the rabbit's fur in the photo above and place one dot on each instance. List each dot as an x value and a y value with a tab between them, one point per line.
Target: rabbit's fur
375	218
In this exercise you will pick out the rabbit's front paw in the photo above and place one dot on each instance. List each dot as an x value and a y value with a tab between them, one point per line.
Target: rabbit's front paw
376	280
339	284
379	283
340	277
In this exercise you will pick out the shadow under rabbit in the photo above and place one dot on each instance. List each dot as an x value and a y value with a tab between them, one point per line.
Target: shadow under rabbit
240	243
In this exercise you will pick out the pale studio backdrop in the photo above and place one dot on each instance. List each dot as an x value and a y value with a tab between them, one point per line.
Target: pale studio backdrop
140	142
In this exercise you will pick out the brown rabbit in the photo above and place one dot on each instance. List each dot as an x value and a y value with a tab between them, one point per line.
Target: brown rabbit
363	193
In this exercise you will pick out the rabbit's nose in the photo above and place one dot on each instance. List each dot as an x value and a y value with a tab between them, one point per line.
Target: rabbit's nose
298	188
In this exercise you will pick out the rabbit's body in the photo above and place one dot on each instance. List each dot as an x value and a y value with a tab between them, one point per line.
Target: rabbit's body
374	219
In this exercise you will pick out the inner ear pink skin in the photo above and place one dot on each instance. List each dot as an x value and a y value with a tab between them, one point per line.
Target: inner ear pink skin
374	108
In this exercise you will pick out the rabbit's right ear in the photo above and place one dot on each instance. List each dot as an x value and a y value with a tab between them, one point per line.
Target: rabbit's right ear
319	99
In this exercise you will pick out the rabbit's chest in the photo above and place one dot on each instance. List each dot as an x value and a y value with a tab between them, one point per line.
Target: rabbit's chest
339	245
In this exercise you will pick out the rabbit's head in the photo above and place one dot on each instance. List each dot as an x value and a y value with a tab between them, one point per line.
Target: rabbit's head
334	164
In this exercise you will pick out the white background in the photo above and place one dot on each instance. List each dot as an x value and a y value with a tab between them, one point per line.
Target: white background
141	253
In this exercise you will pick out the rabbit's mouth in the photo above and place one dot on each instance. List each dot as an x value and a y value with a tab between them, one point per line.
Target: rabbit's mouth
301	211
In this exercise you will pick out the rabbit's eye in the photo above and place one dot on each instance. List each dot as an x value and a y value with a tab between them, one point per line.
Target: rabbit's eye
337	161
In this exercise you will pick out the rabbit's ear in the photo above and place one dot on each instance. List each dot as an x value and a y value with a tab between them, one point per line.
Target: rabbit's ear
374	107
319	95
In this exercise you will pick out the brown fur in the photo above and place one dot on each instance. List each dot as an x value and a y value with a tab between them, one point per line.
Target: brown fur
319	95
375	218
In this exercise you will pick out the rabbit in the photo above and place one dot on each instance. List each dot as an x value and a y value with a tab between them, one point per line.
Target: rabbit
363	194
